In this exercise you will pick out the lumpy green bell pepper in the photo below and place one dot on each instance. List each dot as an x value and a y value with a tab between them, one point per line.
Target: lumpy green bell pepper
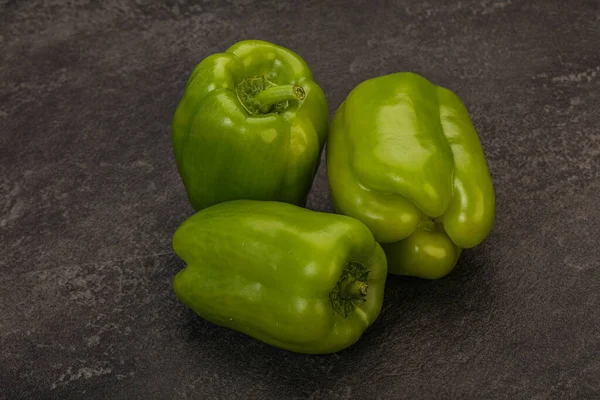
251	124
301	280
404	158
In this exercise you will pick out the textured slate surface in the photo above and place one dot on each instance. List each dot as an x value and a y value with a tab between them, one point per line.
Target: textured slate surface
89	199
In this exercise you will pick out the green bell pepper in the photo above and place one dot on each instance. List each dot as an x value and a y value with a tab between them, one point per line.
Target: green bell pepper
251	124
404	158
301	280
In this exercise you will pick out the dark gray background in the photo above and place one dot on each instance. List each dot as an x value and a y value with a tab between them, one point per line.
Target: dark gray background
90	196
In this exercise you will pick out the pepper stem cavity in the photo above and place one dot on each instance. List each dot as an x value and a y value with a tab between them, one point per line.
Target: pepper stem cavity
261	96
351	289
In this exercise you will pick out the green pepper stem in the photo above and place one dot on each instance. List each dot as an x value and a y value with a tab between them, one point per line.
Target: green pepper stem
354	289
276	94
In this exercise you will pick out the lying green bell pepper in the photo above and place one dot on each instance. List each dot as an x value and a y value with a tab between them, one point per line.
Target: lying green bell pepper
403	157
251	125
300	280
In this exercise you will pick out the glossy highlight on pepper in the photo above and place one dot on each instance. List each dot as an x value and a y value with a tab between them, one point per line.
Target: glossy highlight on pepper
251	124
404	158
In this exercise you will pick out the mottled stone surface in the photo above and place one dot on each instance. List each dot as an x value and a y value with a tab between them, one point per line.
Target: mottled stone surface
89	199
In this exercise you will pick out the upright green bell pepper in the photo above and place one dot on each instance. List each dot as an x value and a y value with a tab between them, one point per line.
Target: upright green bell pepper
301	280
251	125
403	157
